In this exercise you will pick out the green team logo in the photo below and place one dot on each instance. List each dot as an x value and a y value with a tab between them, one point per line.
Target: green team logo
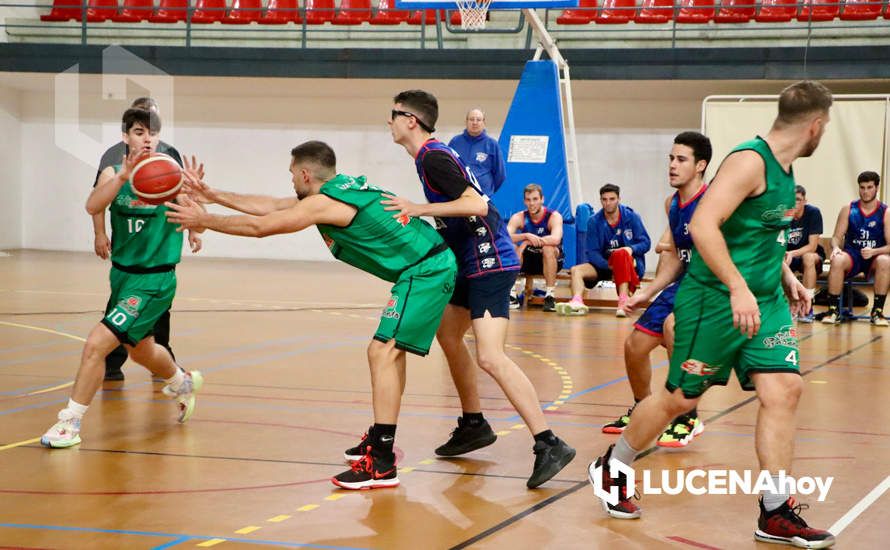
130	305
780	213
786	337
390	311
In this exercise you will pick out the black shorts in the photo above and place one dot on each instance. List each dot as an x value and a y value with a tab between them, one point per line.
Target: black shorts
490	292
601	275
796	264
533	260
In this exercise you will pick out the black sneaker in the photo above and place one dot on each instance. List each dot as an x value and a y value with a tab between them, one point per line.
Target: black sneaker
114	375
785	526
515	302
358	452
598	472
549	460
370	472
549	303
618	426
465	439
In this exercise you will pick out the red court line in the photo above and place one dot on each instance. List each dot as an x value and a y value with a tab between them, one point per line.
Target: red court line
160	492
877	434
688	542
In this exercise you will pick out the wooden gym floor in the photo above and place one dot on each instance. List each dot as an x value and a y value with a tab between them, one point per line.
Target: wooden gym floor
282	345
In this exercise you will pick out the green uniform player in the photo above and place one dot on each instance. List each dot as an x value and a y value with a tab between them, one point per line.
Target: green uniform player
707	347
144	254
405	251
732	314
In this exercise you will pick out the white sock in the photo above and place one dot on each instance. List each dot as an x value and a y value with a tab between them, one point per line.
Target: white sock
550	290
77	410
176	380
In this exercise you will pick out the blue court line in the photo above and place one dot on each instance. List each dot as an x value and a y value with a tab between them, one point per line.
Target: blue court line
171	544
178	537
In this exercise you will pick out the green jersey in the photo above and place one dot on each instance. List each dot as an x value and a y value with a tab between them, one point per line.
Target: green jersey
140	235
756	232
376	242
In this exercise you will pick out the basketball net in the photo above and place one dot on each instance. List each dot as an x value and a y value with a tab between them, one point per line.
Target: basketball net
472	13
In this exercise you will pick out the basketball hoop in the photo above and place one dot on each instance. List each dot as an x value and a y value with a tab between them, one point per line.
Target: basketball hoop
472	13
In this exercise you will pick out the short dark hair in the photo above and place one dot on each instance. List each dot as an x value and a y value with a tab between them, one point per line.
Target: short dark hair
800	189
531	188
610	188
698	142
317	152
149	119
868	175
146	103
801	99
423	105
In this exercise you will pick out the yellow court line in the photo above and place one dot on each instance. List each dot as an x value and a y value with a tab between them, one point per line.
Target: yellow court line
277	519
41	329
247	530
336	496
406	470
19	444
307	508
427	461
211	542
47	390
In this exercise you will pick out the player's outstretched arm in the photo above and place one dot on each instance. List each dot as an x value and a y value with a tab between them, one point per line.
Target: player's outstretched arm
110	184
740	176
310	211
469	203
258	205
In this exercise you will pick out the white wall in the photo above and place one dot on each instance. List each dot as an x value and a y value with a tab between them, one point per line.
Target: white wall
10	175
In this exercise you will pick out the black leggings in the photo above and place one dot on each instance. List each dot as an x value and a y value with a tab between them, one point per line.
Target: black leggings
116	359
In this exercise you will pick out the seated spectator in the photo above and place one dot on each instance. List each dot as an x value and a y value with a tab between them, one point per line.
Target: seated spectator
859	245
537	234
805	255
616	246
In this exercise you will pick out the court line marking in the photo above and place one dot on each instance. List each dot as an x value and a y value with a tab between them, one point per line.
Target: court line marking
860	507
19	444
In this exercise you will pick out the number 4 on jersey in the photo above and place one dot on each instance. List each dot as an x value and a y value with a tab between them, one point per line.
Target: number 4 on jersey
792	357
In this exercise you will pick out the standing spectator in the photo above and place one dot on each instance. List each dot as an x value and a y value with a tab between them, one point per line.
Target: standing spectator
616	247
480	153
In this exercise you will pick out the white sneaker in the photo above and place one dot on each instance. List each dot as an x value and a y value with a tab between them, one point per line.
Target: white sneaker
185	395
571	308
64	433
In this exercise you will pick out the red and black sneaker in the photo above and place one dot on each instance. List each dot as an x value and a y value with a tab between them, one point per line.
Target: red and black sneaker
371	472
358	452
598	473
785	526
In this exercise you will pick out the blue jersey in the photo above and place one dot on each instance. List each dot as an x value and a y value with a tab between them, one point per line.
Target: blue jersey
865	231
480	243
541	228
679	216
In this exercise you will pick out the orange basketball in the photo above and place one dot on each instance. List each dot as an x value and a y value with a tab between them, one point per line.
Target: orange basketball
156	178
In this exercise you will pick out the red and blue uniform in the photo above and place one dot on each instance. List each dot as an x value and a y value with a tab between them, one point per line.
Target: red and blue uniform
864	230
679	216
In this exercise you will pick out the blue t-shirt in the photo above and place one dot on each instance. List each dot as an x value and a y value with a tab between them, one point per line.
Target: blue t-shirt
810	223
480	243
482	155
679	216
865	230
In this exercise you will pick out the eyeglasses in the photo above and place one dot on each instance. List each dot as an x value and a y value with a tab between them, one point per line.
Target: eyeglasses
394	113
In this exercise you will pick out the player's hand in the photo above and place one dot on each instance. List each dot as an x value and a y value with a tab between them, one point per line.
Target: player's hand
788	258
834	252
629	250
129	162
195	241
867	253
639	298
188	214
798	297
401	206
745	311
102	246
193	181
534	240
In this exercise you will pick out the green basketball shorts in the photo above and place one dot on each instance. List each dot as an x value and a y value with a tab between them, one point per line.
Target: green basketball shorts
137	302
707	348
417	301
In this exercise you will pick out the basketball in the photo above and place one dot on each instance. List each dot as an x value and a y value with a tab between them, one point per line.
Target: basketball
156	178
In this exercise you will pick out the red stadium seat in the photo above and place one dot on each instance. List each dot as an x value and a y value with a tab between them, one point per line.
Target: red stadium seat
170	11
822	10
319	11
63	10
655	11
862	10
581	15
352	12
388	15
776	11
243	12
101	10
209	11
280	12
425	16
616	12
695	11
133	11
735	11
